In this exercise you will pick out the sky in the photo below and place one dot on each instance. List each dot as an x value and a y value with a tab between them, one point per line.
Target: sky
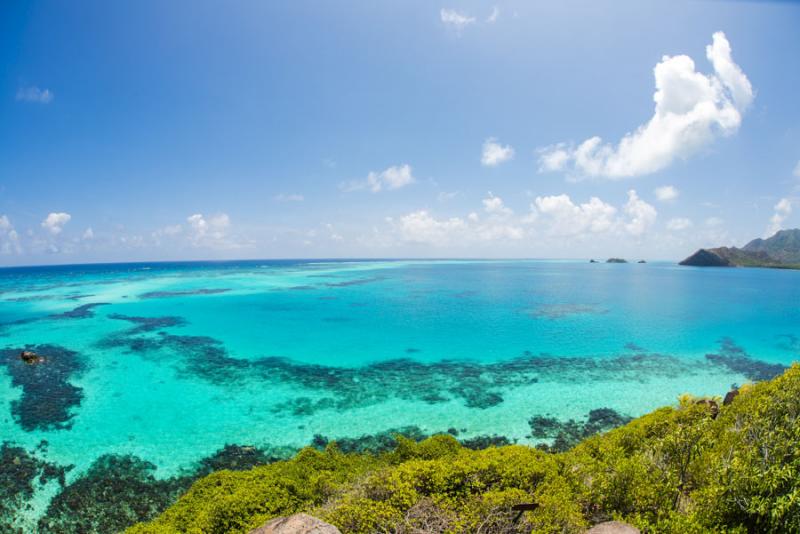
187	130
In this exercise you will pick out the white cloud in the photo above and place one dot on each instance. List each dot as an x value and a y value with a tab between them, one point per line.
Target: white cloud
782	211
642	215
210	230
88	234
9	238
54	222
289	197
494	153
678	224
691	110
34	94
494	15
421	227
454	19
494	206
392	178
666	193
568	219
714	221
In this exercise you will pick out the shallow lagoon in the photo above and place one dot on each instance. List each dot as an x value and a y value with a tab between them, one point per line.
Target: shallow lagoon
170	362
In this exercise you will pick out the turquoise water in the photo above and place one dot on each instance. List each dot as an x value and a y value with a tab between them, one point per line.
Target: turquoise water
170	362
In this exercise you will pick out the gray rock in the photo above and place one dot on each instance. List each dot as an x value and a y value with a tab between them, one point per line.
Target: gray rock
613	527
296	524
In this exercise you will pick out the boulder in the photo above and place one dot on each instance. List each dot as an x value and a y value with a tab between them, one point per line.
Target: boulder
729	396
296	524
613	527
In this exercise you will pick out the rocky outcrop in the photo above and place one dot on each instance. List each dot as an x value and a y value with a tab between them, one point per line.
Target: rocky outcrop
706	258
616	260
782	250
296	524
613	527
30	357
729	396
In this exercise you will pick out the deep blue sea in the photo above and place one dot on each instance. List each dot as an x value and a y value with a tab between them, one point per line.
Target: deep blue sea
171	361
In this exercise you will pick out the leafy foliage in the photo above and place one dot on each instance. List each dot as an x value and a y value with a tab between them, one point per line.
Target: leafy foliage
681	469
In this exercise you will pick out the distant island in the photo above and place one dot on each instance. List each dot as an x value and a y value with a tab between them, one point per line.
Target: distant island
616	260
781	251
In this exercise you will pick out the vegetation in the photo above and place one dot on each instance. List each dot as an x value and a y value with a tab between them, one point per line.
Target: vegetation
695	467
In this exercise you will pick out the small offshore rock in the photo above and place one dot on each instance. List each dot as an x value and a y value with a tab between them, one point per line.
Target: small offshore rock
296	524
28	356
613	527
616	260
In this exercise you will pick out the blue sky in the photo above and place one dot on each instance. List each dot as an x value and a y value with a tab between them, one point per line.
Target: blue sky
201	130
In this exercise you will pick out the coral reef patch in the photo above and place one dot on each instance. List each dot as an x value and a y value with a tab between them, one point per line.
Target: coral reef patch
48	395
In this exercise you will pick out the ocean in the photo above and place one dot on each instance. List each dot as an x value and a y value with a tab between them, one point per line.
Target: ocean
170	362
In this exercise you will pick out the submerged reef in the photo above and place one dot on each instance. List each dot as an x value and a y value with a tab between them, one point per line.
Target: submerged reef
119	490
561	311
737	360
476	384
183	293
21	473
84	311
566	435
48	395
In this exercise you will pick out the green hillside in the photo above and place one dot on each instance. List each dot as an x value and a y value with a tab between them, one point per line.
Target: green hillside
695	467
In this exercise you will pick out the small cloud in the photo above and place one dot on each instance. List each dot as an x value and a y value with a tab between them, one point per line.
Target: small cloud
782	210
289	197
796	171
494	153
392	178
714	221
454	19
492	18
330	163
679	223
34	94
54	222
494	206
445	196
666	193
88	234
642	214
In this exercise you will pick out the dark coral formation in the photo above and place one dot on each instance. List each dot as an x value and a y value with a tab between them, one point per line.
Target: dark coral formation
565	435
48	396
560	311
239	458
84	311
738	360
114	493
355	282
148	324
21	472
183	293
120	490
